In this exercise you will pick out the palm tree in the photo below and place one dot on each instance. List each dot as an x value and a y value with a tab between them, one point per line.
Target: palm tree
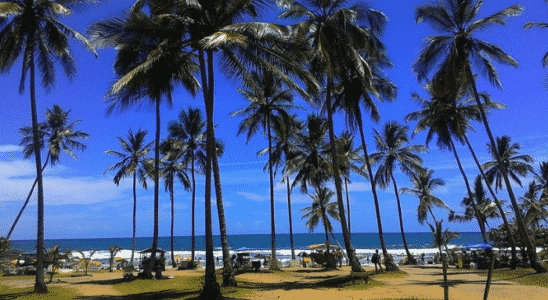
150	64
132	160
113	250
319	211
423	184
455	51
171	168
542	25
337	37
269	104
533	206
284	141
189	128
447	118
392	151
32	30
61	136
512	164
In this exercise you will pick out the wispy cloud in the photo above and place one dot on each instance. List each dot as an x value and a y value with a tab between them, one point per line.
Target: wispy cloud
253	196
10	148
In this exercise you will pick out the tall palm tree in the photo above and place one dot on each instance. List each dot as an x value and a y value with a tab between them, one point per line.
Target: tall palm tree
150	63
283	150
533	206
171	168
512	164
542	25
132	162
189	128
391	144
447	117
337	37
319	211
61	137
452	55
31	29
423	184
269	103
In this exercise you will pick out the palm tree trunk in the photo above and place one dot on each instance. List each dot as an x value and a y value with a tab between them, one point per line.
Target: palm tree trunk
514	260
133	244
433	218
274	262
152	262
324	221
293	257
410	257
28	199
228	274
473	201
354	262
172	223
532	252
392	266
193	242
347	205
40	284
211	289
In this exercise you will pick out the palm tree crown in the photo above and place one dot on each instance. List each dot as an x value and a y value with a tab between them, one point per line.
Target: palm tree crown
424	184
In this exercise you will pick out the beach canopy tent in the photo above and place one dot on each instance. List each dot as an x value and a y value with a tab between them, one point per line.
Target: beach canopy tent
149	250
322	246
479	246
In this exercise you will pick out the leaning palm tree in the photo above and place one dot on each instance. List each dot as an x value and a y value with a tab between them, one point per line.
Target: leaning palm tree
269	105
337	36
31	29
319	211
514	164
189	129
132	162
283	150
391	144
61	136
149	64
423	184
452	55
172	167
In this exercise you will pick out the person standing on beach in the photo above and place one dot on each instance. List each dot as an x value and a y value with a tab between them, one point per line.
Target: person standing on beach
376	259
422	259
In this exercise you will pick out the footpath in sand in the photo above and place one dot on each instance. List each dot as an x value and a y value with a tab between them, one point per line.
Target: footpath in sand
309	283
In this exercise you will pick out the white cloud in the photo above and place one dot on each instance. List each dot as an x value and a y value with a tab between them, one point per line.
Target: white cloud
253	196
10	148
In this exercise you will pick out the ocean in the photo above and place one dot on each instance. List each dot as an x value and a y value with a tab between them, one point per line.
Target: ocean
364	241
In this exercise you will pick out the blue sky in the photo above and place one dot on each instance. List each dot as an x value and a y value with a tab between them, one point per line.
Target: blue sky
82	202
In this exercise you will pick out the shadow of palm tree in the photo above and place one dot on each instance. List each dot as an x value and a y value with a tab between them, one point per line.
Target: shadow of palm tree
167	294
334	281
15	295
454	283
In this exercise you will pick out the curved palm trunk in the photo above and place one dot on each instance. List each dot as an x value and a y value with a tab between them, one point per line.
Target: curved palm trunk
39	284
193	242
514	260
228	274
274	262
28	199
356	267
347	205
172	222
211	289
133	244
293	257
531	250
410	257
324	221
473	201
392	266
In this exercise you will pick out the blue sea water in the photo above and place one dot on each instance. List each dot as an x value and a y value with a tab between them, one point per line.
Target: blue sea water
415	240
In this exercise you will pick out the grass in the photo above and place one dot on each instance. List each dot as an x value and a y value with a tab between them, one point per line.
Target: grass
521	276
26	293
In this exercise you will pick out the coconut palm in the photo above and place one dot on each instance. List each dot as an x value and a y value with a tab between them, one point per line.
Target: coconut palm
423	184
149	64
172	167
391	144
542	25
284	148
132	159
31	29
113	250
61	137
534	206
269	104
319	211
189	129
337	36
513	164
452	55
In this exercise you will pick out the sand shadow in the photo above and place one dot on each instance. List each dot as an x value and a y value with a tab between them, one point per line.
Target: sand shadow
15	295
335	281
455	282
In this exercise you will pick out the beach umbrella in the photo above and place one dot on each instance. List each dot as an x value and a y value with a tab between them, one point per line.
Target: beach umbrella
243	249
95	263
479	246
322	246
118	258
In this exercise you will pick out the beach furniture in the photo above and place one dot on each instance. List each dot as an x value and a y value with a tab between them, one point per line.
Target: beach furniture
145	256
